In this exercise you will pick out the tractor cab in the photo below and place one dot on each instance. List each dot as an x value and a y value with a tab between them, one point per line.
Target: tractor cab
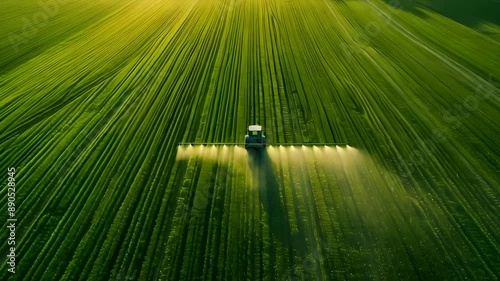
255	137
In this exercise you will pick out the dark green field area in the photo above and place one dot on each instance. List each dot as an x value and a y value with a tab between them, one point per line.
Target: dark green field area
96	95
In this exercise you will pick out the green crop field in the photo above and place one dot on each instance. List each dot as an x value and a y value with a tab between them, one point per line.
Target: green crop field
96	95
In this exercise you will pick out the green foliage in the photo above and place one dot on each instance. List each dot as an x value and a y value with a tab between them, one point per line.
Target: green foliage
94	103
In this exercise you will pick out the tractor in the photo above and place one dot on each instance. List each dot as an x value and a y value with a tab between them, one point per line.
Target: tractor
255	137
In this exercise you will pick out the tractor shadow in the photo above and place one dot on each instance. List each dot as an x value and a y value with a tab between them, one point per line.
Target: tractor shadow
265	180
